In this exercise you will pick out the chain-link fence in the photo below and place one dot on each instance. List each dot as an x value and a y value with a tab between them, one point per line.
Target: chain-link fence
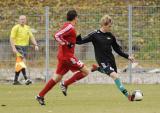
136	29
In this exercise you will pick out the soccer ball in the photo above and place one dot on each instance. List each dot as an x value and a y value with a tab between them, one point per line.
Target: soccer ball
138	95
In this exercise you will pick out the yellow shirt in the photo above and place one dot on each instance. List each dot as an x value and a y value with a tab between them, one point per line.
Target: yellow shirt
21	35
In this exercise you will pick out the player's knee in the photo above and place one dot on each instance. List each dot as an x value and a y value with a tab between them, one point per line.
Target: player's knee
114	75
57	78
86	72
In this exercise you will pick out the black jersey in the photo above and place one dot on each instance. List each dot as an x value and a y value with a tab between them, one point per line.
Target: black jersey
103	44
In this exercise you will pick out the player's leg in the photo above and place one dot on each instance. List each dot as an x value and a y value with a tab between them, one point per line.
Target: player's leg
24	73
17	69
24	53
61	70
115	77
118	82
102	66
18	66
16	82
120	85
97	68
23	70
20	62
81	72
27	81
111	70
76	77
49	85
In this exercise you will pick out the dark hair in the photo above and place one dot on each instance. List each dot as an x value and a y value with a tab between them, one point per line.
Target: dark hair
71	15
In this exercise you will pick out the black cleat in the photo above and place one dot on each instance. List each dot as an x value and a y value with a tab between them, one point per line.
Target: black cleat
28	81
63	88
16	83
40	100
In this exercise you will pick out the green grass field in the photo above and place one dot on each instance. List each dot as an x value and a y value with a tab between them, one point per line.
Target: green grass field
81	99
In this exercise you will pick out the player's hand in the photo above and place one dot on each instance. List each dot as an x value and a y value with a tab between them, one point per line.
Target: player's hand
79	37
131	58
36	47
70	45
15	50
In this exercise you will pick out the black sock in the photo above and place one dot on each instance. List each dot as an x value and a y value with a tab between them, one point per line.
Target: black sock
16	76
24	73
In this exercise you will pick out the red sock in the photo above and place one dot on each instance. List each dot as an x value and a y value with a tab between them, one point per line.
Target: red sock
74	78
47	87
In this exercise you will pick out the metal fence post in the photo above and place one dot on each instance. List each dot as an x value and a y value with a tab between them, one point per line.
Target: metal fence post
47	42
130	39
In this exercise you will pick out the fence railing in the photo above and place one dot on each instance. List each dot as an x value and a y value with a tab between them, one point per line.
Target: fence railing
136	29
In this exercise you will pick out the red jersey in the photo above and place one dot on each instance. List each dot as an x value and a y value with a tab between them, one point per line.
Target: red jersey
65	35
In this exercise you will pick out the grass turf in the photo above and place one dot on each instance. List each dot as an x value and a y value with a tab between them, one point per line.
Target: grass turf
82	98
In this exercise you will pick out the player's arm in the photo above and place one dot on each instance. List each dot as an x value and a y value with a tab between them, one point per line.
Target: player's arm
13	45
33	40
85	39
12	37
59	36
118	49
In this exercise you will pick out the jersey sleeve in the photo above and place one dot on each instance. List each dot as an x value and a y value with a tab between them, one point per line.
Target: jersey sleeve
86	39
13	32
59	35
118	49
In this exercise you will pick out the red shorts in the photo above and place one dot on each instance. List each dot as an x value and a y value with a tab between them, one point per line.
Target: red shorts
72	64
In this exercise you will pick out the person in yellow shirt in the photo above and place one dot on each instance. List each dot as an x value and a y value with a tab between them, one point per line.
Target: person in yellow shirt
20	37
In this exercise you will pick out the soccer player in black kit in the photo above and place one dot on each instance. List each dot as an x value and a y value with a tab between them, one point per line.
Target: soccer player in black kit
103	41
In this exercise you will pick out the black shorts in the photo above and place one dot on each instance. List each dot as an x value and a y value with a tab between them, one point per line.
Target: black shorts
22	50
108	67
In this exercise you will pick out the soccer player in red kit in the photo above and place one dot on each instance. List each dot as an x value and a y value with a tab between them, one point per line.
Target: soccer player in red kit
66	37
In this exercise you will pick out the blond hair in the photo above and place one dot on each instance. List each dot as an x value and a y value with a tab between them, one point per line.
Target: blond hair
105	20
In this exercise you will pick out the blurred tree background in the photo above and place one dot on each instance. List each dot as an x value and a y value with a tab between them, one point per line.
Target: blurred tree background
146	21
